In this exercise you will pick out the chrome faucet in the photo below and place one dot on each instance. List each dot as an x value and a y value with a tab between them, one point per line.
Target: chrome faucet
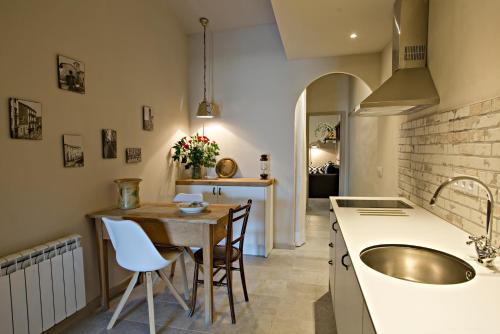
486	253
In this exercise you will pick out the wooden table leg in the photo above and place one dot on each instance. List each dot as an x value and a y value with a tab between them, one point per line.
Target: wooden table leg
207	272
103	263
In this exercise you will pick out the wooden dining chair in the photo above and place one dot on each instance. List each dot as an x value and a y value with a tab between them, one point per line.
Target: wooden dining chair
224	256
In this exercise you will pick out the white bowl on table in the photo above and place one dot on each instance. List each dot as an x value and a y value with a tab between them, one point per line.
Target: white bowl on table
192	207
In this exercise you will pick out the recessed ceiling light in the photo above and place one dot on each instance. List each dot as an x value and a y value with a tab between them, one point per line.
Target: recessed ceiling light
354	35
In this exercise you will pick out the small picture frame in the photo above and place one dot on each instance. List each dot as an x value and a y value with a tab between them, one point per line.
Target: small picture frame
71	74
73	151
133	155
109	147
25	119
147	118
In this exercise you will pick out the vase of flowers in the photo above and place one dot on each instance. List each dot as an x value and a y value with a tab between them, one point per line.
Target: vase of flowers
196	152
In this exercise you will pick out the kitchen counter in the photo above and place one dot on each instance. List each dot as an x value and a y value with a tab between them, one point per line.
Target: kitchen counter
398	306
238	181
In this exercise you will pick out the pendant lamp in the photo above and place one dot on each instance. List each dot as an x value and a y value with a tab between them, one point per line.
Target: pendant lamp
206	109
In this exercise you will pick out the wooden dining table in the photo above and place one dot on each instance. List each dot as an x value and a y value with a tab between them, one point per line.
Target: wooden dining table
166	225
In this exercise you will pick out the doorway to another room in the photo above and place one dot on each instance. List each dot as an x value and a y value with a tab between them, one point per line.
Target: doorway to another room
322	150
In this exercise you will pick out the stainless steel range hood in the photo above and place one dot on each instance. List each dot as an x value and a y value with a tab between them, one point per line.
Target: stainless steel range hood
410	88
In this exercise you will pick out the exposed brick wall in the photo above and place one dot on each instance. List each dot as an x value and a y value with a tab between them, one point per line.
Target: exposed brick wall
436	146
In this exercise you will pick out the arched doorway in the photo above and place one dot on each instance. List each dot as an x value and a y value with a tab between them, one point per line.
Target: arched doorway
321	144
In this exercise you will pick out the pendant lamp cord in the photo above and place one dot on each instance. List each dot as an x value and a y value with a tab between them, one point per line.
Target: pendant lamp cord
204	63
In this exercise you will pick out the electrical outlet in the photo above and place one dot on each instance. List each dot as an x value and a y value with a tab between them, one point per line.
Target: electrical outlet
380	171
467	187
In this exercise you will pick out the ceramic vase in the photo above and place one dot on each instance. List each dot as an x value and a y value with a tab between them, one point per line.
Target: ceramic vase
128	193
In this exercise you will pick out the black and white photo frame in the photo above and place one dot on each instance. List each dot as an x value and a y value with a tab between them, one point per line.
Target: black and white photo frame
71	74
133	155
73	151
147	118
25	119
109	146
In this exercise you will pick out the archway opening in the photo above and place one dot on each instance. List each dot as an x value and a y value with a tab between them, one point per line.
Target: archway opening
321	146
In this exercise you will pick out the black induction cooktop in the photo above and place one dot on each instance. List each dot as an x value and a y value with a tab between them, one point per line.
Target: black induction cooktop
372	203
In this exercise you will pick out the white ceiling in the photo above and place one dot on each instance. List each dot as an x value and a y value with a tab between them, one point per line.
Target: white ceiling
223	14
308	28
320	28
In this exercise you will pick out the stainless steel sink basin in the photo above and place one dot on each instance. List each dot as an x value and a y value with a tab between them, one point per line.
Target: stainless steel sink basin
417	264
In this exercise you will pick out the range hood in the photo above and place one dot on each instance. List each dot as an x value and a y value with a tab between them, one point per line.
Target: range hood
410	88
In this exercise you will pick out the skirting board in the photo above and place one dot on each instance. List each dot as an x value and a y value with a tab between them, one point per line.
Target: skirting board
283	246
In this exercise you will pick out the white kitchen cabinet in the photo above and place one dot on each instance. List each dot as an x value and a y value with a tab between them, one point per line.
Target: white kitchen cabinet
351	313
348	304
331	259
259	233
367	322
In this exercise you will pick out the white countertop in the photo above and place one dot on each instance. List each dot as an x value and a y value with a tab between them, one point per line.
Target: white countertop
398	306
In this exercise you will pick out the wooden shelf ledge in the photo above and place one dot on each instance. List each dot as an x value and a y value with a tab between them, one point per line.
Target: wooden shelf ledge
239	181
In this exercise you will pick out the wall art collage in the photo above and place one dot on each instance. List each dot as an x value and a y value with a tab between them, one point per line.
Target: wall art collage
25	117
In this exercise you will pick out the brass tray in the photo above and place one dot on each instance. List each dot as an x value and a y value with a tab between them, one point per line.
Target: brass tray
226	168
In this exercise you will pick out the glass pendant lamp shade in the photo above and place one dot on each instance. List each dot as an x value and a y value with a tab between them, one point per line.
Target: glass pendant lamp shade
206	109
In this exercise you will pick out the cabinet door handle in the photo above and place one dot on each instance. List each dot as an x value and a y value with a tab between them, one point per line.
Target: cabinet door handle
213	191
342	261
330	244
333	226
219	191
330	262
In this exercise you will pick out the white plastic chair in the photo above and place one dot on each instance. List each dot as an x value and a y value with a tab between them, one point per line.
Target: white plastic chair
136	252
182	197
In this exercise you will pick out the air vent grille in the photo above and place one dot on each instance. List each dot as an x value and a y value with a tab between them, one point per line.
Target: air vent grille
415	52
383	212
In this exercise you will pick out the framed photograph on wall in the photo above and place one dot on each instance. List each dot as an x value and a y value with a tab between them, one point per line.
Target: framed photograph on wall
109	144
147	118
71	74
133	155
25	119
73	151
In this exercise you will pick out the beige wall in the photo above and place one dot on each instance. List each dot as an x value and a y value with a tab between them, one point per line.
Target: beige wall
135	54
328	94
363	136
388	130
463	50
462	134
374	144
257	89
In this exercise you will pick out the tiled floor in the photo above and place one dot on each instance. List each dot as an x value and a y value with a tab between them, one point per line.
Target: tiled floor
288	294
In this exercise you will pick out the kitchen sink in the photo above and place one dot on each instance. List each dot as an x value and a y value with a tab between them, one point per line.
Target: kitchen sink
417	264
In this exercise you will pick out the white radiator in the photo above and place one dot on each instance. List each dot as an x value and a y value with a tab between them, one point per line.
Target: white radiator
42	286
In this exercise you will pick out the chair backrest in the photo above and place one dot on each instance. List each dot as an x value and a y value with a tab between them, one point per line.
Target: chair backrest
134	249
235	215
188	197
